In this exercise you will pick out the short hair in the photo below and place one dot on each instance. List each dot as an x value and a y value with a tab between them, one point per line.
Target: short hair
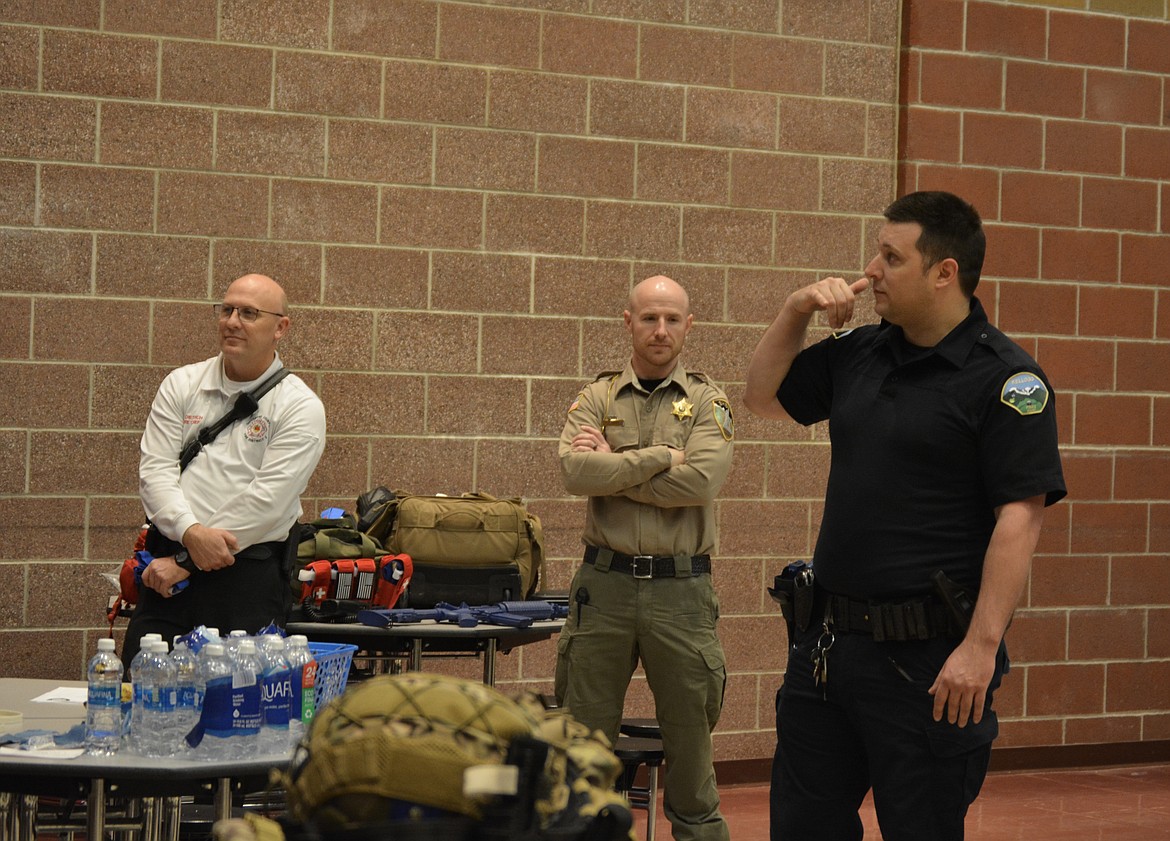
951	227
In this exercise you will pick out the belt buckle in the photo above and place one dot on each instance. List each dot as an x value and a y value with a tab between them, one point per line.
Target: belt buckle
641	571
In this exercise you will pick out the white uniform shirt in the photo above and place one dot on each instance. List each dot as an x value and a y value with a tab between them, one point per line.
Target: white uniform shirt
250	478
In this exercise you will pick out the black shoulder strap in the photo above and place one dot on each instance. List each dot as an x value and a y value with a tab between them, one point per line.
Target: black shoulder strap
245	404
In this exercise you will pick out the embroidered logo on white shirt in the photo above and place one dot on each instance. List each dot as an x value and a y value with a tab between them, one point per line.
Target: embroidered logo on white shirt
257	429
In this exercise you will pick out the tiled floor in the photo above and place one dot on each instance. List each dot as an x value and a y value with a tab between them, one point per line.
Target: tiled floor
1114	804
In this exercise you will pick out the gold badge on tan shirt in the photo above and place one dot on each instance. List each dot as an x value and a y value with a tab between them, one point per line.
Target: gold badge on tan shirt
682	408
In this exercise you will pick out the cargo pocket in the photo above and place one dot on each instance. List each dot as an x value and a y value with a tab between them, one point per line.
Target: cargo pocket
712	653
948	740
561	674
970	746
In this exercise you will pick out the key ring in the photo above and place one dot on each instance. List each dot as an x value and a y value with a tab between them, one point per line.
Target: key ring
821	640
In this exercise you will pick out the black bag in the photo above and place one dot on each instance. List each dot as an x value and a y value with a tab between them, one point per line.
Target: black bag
373	506
474	585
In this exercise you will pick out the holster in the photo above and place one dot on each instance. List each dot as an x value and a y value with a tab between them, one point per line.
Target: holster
159	545
955	598
792	589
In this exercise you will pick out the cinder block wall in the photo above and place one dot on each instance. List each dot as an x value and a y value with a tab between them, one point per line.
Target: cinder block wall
458	196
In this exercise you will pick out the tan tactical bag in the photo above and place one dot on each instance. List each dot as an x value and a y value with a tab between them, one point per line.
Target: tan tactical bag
472	548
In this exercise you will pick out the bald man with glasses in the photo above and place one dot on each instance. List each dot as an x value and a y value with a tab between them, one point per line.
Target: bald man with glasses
222	523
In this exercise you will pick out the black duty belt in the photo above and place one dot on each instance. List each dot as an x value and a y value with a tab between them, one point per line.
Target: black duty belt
272	550
648	566
920	619
263	551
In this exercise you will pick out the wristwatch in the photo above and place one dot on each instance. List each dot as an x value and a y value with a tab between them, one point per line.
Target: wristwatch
183	561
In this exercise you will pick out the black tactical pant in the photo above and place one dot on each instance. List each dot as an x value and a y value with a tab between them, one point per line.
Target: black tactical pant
872	726
246	595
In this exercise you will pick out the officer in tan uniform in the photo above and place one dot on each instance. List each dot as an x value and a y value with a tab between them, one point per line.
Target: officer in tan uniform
650	446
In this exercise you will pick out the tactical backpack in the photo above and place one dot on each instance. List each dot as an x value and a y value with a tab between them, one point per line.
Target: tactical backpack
340	570
472	548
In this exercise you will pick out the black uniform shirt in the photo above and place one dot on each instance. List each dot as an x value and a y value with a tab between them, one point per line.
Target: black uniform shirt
926	443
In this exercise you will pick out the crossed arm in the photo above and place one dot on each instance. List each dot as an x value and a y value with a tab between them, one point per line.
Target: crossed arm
658	475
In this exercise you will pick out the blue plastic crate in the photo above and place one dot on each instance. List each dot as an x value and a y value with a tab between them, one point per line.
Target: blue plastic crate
333	661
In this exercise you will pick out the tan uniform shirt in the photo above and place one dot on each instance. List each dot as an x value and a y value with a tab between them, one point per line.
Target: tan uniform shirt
638	503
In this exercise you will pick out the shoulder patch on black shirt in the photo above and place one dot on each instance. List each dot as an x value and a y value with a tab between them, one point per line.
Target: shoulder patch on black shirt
1024	392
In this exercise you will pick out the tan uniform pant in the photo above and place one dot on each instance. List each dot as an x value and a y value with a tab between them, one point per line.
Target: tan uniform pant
669	625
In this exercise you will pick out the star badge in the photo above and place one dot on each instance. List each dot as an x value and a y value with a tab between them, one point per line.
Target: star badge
682	408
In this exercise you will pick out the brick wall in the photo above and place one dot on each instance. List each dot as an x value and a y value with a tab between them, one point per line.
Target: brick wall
1054	122
458	196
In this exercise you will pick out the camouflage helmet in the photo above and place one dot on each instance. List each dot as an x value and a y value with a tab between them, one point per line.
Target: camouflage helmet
401	739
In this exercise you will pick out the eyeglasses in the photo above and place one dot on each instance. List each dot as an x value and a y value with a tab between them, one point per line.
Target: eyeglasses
248	315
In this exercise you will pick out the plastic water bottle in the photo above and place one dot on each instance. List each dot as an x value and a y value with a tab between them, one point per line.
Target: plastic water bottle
198	640
103	711
275	696
247	674
215	715
168	672
158	703
303	668
137	671
186	690
232	644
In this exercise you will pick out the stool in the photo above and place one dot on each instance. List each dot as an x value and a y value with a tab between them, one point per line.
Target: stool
645	728
198	819
634	752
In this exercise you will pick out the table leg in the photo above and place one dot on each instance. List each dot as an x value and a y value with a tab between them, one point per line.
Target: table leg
223	799
416	655
19	813
172	818
95	809
9	815
150	818
489	661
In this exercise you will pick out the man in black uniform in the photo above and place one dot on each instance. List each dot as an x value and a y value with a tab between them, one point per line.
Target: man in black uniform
944	456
